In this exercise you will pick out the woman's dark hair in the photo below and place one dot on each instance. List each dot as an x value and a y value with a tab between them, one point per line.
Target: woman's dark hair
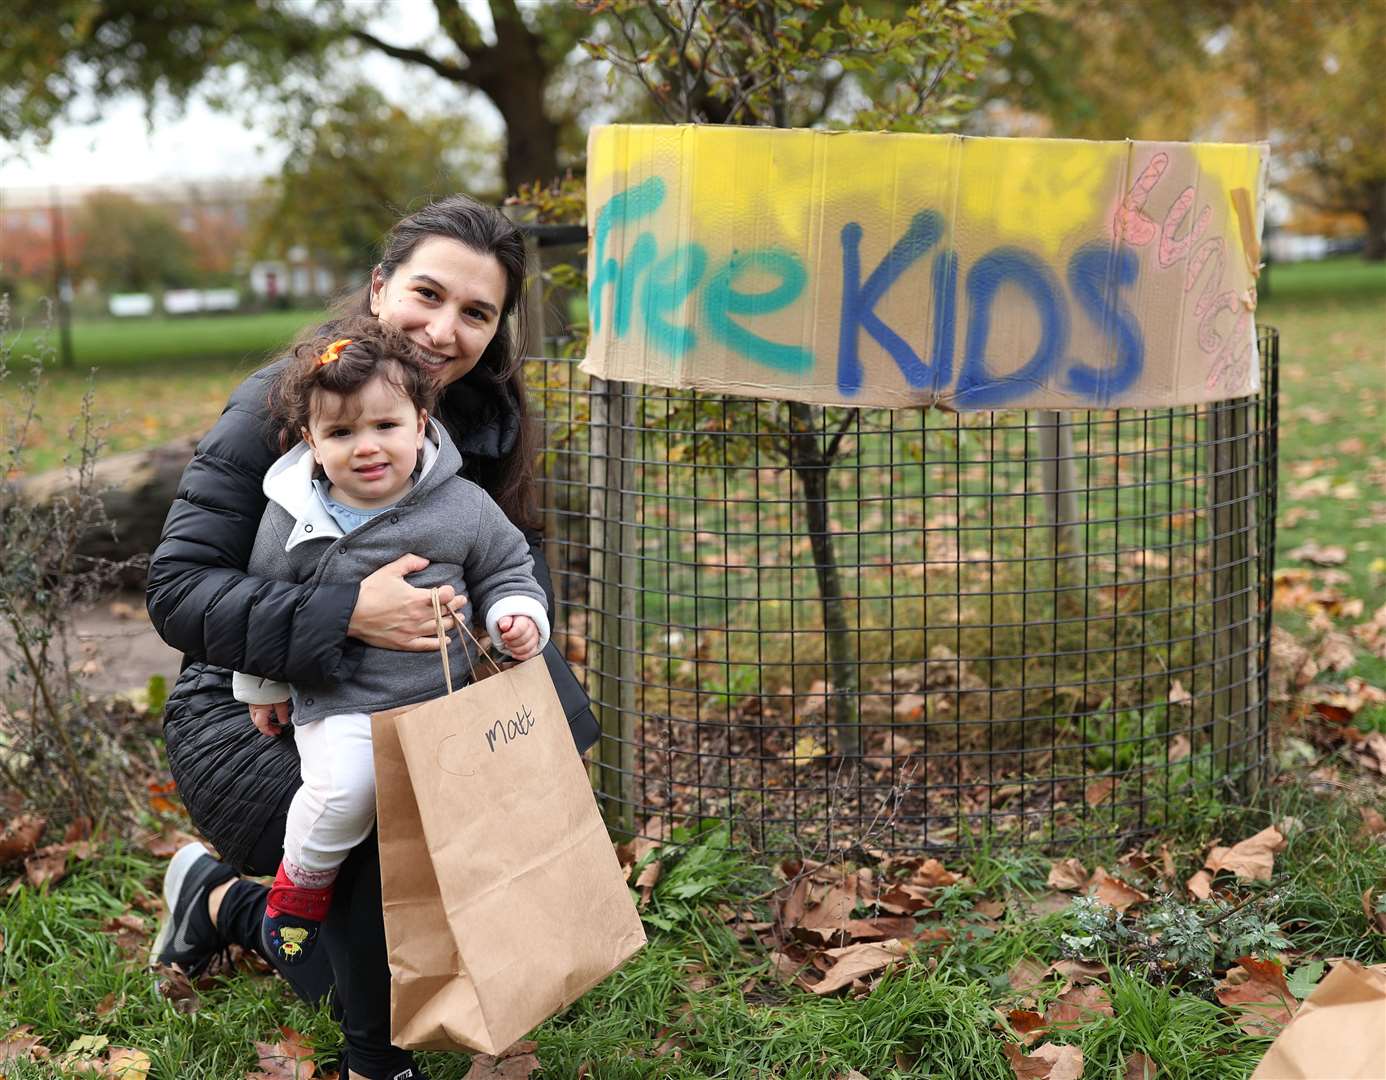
499	373
372	350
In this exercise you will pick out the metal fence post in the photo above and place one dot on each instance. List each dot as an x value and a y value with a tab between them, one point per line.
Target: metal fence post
1059	481
1235	698
613	652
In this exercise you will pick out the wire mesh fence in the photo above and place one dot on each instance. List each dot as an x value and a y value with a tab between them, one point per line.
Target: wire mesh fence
905	629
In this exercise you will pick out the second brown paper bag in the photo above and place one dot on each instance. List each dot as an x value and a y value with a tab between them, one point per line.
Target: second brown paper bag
503	898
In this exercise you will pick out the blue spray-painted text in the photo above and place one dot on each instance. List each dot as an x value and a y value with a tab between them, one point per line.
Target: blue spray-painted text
652	285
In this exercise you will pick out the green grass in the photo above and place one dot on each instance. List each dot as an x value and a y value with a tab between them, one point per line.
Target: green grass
699	1004
154	380
1332	322
202	339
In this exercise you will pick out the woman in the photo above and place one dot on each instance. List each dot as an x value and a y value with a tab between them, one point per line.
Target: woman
450	278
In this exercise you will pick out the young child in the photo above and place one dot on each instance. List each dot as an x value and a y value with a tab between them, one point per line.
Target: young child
374	478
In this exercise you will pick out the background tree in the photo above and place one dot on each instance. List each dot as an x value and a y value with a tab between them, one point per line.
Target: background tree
64	54
356	164
797	63
1301	76
1310	75
131	246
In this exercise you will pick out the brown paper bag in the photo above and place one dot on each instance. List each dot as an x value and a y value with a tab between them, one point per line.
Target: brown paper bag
504	901
1339	1033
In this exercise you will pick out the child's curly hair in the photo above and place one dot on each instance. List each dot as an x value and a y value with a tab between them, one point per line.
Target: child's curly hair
374	349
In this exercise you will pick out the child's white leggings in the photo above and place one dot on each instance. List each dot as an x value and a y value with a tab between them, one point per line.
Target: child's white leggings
334	810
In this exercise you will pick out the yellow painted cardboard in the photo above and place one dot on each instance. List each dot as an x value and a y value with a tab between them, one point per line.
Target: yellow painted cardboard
881	269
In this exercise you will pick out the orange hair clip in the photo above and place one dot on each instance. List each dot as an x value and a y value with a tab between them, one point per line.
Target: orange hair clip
333	351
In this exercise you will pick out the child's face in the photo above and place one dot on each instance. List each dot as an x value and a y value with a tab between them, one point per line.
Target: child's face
367	444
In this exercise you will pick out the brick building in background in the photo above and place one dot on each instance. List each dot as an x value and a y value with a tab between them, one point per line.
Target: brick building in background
214	216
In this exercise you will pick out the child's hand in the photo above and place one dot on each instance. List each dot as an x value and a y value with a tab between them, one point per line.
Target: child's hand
270	719
519	635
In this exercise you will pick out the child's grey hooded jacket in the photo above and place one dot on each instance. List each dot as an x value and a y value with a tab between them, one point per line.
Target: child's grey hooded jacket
451	522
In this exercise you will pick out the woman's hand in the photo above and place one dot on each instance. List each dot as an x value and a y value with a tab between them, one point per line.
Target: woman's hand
270	719
392	614
519	635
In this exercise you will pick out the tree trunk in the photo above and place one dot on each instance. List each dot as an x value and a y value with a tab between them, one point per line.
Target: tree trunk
1374	210
531	138
513	76
812	467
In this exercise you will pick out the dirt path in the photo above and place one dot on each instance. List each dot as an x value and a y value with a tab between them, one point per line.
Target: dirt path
118	647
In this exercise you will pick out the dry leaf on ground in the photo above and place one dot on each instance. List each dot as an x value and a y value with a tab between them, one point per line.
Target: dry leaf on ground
19	1045
1027	974
1079	972
173	983
1257	992
1026	1023
1253	859
1140	1067
1200	885
1047	1062
21	837
1113	891
887	926
787	970
905	899
832	911
124	1063
932	873
1336	652
1375	919
853	961
291	1058
1320	555
48	865
1069	874
1076	1007
648	879
517	1062
1370	753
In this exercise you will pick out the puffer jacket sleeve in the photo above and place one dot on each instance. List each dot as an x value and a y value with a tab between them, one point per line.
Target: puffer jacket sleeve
199	595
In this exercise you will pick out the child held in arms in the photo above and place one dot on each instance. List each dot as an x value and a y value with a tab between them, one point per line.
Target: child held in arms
374	478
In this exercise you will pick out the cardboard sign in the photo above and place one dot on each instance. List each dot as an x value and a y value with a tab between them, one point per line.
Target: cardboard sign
903	270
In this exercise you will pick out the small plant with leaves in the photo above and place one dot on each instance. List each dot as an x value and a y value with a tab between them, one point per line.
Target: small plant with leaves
698	869
1174	942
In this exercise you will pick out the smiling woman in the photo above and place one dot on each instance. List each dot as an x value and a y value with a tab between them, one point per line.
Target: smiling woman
449	279
447	298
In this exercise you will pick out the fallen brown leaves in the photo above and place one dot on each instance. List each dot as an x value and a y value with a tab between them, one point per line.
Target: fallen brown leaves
1140	1067
1253	859
1257	992
517	1062
819	941
291	1058
1071	875
19	1044
1047	1062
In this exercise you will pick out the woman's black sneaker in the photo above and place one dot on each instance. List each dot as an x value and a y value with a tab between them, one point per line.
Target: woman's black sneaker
186	936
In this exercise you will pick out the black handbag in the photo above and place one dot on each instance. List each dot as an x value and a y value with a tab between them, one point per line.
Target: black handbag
576	704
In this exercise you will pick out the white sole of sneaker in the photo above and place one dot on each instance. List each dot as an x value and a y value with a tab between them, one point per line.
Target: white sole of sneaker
174	876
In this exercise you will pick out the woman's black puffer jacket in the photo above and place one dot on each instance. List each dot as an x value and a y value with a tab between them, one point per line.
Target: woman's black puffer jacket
235	782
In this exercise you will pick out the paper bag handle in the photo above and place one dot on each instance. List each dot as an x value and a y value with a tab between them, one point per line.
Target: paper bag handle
443	640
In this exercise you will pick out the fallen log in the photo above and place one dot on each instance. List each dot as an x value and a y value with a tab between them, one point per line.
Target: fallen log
136	487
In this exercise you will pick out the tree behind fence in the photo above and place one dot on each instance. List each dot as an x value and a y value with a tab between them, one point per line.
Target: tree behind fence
907	628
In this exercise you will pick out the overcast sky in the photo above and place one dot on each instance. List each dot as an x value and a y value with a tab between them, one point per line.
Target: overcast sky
203	143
